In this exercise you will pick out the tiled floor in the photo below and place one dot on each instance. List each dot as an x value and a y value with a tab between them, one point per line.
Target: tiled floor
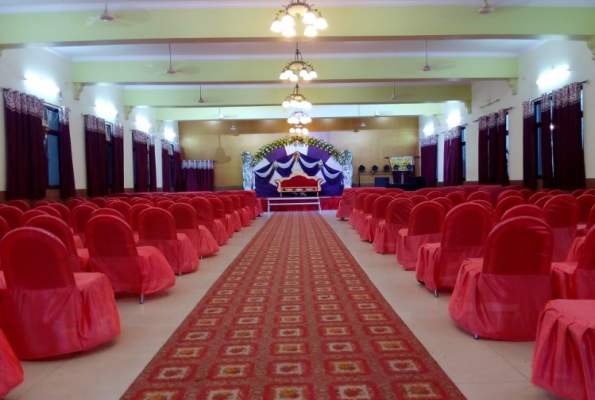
482	369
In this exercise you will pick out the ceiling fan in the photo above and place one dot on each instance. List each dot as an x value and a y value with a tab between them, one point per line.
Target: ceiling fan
170	70
200	99
106	15
485	8
426	67
394	95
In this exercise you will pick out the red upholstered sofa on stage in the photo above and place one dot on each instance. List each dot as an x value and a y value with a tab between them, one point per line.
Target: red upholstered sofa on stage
298	182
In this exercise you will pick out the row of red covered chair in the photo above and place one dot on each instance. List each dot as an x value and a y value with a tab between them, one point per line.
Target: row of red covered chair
76	286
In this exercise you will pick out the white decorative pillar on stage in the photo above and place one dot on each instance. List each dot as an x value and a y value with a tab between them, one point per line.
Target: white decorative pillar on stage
346	158
247	170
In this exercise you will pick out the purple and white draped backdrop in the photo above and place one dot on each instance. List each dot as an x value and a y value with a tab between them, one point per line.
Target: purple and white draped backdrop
281	162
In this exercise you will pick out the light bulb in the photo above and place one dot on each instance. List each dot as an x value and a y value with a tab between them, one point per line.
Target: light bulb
293	78
298	130
305	131
293	103
309	18
313	74
287	21
306	105
320	23
291	130
307	77
282	75
303	73
310	31
285	104
288	32
292	120
277	26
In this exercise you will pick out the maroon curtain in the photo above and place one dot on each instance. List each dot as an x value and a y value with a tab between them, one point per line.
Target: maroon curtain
569	165
26	160
96	156
453	158
139	143
429	159
165	170
179	179
200	175
501	158
529	146
482	147
547	167
118	160
67	188
152	165
492	148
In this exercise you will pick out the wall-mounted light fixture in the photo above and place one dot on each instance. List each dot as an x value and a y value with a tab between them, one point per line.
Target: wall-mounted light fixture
553	77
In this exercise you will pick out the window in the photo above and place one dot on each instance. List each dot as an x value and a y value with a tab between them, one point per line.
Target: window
51	124
464	151
537	133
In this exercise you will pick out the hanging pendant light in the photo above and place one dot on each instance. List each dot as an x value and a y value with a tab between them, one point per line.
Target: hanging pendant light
286	17
296	100
298	68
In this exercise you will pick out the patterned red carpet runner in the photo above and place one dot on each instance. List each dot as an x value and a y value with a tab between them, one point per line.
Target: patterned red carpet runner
293	318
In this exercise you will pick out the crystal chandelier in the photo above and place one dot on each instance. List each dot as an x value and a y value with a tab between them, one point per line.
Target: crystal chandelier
298	68
299	117
296	100
284	22
298	130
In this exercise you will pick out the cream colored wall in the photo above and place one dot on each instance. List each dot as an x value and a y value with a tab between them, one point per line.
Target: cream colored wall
390	136
551	54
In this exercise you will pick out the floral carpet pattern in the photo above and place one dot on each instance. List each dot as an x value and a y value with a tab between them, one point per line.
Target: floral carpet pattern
294	317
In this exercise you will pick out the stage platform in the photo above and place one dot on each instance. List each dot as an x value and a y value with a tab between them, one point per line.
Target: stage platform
326	203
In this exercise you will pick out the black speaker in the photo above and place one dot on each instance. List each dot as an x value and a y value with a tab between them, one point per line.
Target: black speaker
381	182
419	182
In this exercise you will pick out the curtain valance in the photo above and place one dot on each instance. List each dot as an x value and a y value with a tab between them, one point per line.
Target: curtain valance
198	164
23	103
429	141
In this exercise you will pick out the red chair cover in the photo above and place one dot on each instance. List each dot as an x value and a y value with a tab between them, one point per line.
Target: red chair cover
576	280
379	213
27	215
11	372
186	222
80	216
480	195
434	194
509	193
99	201
524	210
526	193
47	310
466	228
157	228
239	206
425	226
112	251
536	196
397	217
585	204
78	258
20	204
123	208
64	212
245	198
205	216
12	216
231	213
73	203
220	215
541	201
563	355
165	204
487	205
456	197
445	202
4	228
578	192
562	217
505	204
500	296
416	199
40	203
357	209
365	220
133	213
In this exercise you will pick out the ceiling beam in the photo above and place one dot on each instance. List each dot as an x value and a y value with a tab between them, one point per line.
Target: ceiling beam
252	24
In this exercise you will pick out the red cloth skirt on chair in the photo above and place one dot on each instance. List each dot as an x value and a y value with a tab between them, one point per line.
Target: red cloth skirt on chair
11	372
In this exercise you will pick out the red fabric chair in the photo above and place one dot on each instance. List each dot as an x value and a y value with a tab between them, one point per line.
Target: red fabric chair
509	193
364	222
112	251
425	226
240	205
27	215
501	295
526	193
109	211
157	228
220	215
505	204
457	197
231	213
434	194
11	371
480	195
585	203
379	213
466	228
536	196
562	217
578	241
357	209
79	258
487	205
563	355
50	211
80	215
541	202
20	204
47	309
445	202
123	208
133	213
99	201
12	216
186	222
165	204
525	210
578	192
416	199
73	203
64	212
576	280
397	218
205	216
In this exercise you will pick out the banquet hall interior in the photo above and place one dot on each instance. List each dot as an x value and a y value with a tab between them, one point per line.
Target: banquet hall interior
171	89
